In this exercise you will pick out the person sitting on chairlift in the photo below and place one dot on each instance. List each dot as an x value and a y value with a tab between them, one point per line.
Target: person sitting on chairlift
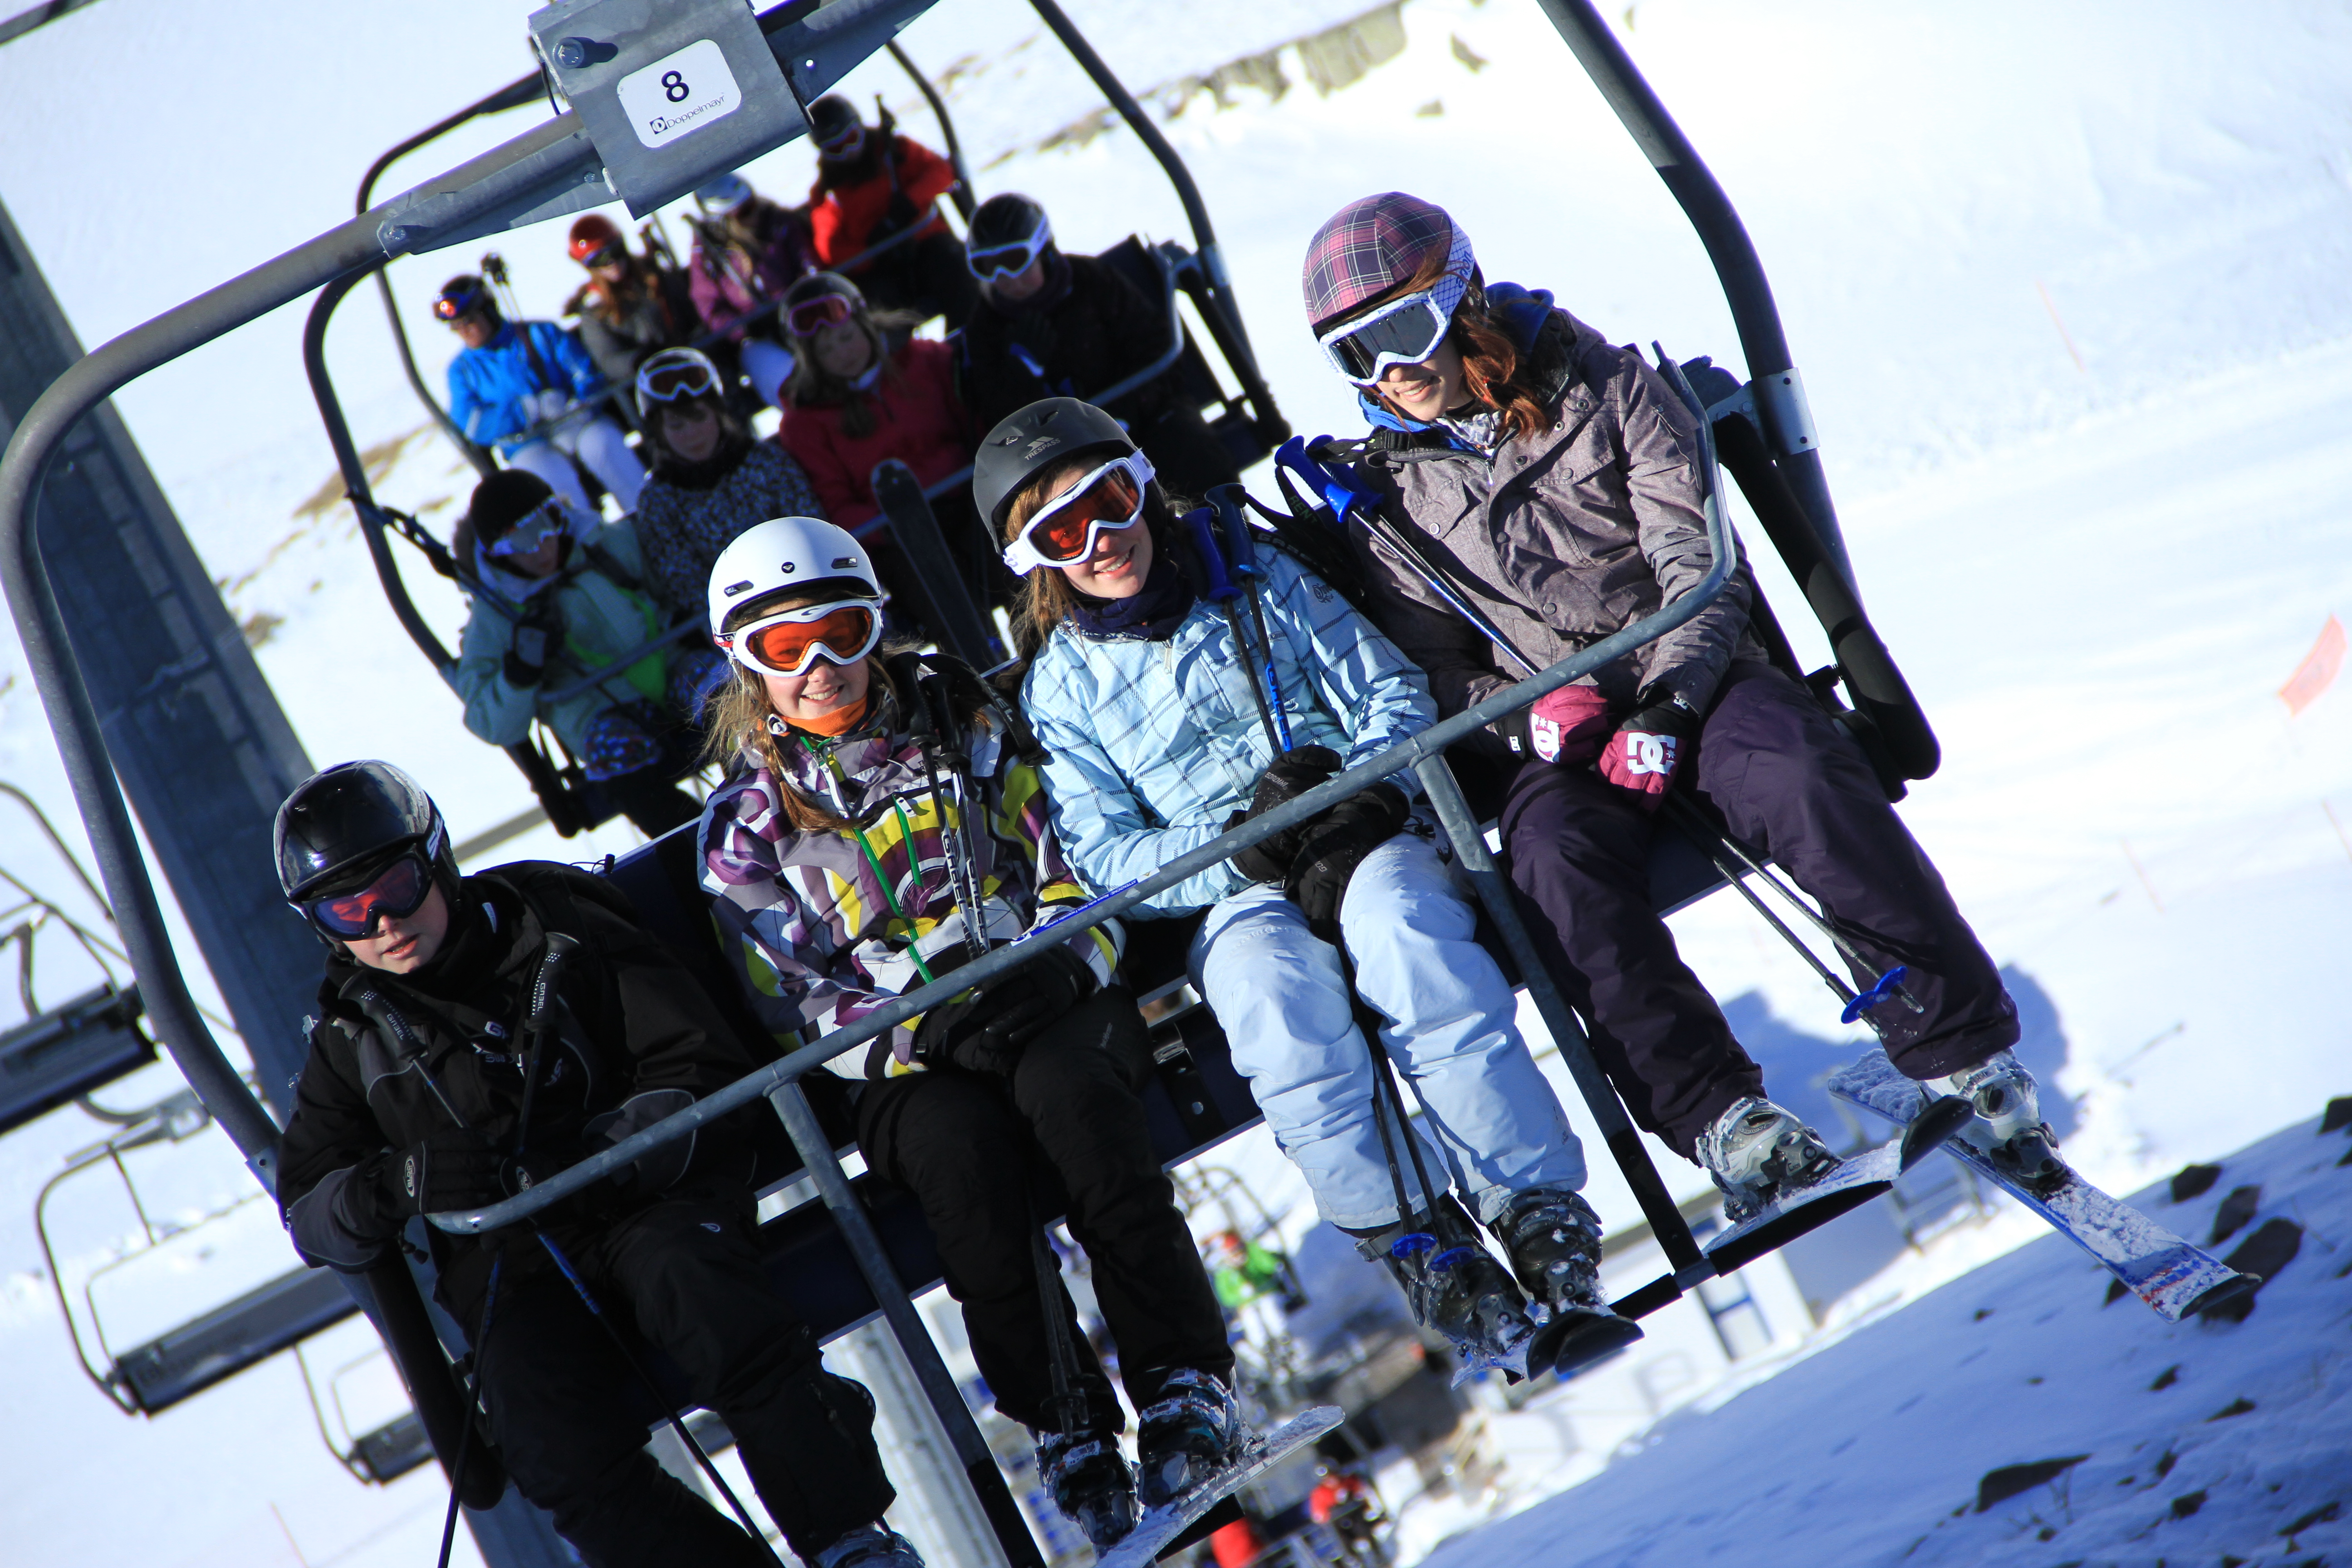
631	307
883	823
1050	324
747	251
711	478
561	595
874	186
1557	479
1171	717
523	387
433	1086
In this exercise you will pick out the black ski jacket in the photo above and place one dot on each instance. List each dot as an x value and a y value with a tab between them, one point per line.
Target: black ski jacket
637	1040
1078	341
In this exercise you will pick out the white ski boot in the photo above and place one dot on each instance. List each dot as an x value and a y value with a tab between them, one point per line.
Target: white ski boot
1553	1239
1756	1153
2005	1095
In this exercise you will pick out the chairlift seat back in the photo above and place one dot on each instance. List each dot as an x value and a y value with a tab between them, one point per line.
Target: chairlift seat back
225	1341
71	1050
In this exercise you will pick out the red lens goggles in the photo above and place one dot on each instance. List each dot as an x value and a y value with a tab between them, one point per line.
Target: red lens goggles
811	317
398	891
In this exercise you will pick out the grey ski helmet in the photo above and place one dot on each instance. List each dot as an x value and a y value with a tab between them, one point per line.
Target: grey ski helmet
345	824
1033	440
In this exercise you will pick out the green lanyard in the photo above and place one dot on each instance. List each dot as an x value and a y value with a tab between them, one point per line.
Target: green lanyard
881	878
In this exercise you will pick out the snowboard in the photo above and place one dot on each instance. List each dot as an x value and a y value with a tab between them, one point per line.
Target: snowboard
1853	1183
1157	1531
2173	1277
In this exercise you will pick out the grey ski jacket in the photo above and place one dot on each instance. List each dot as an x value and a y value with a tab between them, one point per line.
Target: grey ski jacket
1560	540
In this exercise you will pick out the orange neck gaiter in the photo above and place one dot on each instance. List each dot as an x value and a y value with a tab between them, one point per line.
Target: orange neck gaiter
840	722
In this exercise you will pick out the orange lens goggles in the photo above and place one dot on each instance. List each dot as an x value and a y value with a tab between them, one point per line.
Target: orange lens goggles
787	644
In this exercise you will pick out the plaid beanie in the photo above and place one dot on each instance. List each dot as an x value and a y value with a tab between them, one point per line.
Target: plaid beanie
1374	244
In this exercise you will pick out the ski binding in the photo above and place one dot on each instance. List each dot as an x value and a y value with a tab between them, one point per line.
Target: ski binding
2175	1278
1847	1186
1159	1527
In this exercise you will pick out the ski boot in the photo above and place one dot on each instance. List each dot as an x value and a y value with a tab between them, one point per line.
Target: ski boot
1090	1481
875	1545
1553	1239
1756	1153
2004	1094
1457	1289
1190	1433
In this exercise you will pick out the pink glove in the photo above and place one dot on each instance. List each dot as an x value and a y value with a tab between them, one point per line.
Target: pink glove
1565	726
1642	755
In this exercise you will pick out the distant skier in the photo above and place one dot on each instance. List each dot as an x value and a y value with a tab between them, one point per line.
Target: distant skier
876	188
413	1101
1556	479
747	251
1144	693
521	386
881	826
631	306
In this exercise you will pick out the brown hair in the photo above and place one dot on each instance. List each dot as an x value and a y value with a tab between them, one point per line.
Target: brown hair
1490	365
811	383
734	436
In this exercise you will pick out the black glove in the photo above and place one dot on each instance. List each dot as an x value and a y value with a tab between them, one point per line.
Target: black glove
1292	775
1341	838
986	1030
526	663
598	1198
453	1170
896	219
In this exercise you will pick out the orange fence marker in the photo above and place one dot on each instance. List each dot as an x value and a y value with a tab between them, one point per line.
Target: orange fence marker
2317	671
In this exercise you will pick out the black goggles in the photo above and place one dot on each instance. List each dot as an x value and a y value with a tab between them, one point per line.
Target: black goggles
395	892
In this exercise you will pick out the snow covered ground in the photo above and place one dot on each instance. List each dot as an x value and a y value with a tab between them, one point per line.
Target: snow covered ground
2066	285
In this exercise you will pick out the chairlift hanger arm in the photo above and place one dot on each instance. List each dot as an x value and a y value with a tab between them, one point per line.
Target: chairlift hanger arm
1780	393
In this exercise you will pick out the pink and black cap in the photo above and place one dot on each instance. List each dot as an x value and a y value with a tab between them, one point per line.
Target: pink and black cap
1373	244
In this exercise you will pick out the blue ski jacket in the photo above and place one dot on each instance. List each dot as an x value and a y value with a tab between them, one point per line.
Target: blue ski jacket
488	386
1153	744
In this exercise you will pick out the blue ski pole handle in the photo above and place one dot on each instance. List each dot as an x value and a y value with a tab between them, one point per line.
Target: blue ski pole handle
1201	523
1888	989
1336	492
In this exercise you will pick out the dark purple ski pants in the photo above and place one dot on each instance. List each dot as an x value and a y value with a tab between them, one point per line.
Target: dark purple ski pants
1786	781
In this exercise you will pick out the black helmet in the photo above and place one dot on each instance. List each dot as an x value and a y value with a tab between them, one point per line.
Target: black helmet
1034	439
833	121
1007	234
343	824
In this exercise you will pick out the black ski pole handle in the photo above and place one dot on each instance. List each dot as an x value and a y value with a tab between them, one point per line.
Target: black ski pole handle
535	1026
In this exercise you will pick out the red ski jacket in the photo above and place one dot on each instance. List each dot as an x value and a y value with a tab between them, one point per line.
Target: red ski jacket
918	419
842	220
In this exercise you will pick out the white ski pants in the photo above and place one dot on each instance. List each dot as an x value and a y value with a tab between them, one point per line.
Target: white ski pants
1281	995
599	444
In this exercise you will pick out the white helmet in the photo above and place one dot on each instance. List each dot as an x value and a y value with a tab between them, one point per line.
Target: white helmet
786	553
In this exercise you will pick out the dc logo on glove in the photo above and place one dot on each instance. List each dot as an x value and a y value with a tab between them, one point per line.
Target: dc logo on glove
1649	754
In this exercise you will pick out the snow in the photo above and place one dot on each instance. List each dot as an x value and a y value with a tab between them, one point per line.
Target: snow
2066	287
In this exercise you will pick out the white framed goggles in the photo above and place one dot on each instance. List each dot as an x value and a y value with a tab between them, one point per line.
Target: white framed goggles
1405	330
789	642
542	522
994	261
1065	529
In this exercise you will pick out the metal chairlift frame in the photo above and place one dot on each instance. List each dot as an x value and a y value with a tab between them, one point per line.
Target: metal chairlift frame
538	165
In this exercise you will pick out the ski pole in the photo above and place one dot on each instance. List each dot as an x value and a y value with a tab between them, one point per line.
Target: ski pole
473	1398
668	1414
1062	1356
1221	589
1234	528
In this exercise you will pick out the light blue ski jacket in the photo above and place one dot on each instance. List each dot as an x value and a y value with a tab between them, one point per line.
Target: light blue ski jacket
488	386
1155	744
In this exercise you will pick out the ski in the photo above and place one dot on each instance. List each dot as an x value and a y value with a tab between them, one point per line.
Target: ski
1852	1183
2173	1277
1159	1527
959	626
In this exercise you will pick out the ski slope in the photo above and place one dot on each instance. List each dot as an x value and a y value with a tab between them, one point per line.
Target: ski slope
2067	288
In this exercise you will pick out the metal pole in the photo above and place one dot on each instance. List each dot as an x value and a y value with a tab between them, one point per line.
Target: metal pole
967	201
1779	393
1608	1115
1204	235
988	1486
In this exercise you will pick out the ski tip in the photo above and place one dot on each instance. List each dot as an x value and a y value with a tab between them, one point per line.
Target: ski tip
1929	1131
2228	1293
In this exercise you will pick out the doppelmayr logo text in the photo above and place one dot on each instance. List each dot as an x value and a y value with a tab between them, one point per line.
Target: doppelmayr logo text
662	123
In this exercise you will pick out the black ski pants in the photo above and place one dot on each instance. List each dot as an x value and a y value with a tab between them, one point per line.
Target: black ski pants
1787	781
570	1418
989	1156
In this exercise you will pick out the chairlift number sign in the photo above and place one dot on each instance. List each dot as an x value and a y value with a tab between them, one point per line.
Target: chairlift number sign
680	94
